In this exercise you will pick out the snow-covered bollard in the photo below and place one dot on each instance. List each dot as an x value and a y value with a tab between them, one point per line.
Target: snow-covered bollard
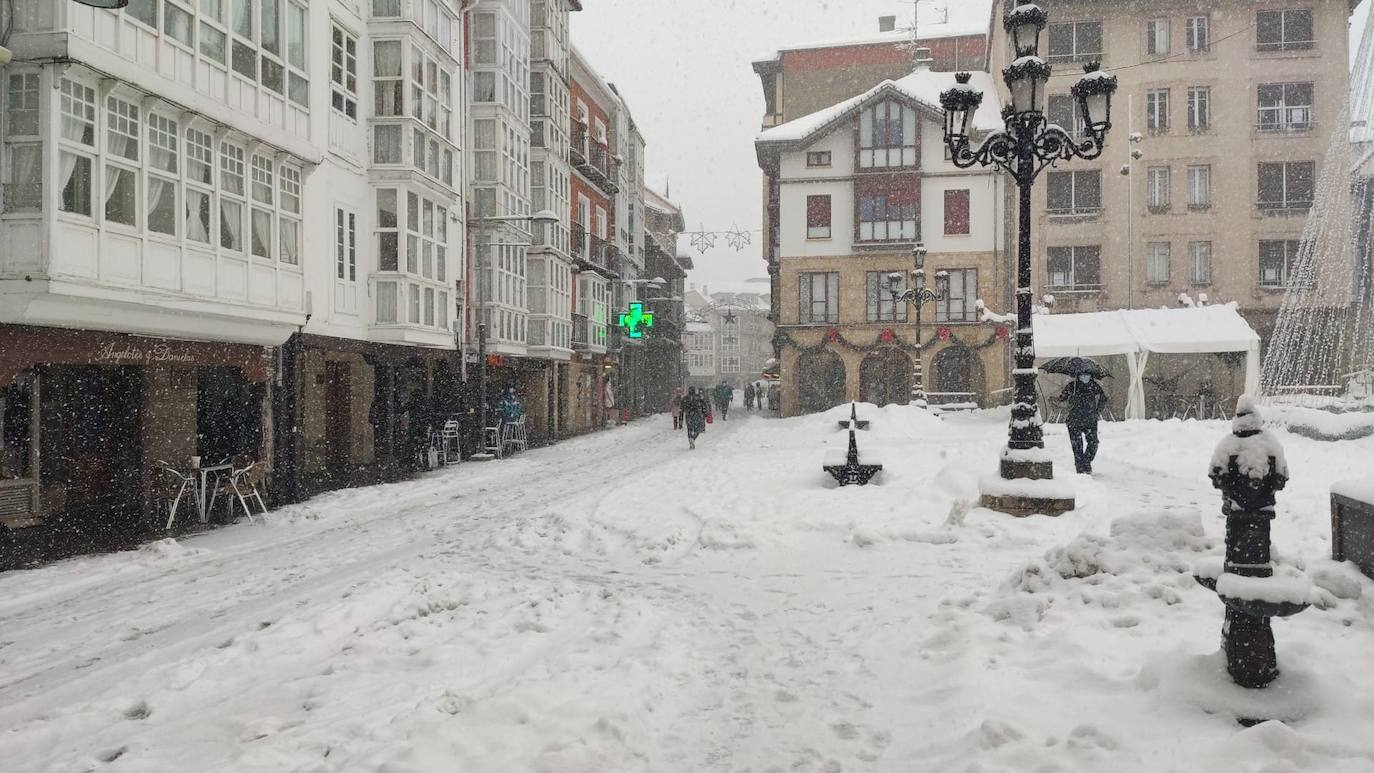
1249	467
850	470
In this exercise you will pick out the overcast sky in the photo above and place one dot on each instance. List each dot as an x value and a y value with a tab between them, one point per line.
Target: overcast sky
684	68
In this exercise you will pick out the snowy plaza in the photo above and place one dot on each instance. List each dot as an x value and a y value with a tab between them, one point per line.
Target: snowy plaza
620	603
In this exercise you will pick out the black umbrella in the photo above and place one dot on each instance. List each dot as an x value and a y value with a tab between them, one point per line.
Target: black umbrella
1073	366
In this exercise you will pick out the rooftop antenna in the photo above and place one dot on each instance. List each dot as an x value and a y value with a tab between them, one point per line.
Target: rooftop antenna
914	44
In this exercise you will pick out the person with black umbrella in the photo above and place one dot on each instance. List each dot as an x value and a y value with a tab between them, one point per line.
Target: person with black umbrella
1085	398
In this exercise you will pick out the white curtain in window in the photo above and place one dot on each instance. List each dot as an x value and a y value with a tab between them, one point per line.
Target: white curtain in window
25	187
68	166
197	215
161	205
121	195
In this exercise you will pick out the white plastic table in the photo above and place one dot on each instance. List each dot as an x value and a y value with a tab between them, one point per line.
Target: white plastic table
203	490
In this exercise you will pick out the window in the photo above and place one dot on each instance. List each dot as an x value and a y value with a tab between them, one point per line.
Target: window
1074	193
1075	42
386	8
77	157
23	157
887	218
961	302
386	303
1075	268
1157	110
818	217
881	307
1285	30
1200	262
1285	107
956	212
162	169
1199	34
1062	110
178	24
484	87
121	128
260	225
388	89
343	73
818	158
288	224
1157	36
345	245
1277	258
1199	187
78	113
231	183
1157	263
1157	188
386	144
1287	185
144	10
484	36
819	298
388	244
887	136
1199	108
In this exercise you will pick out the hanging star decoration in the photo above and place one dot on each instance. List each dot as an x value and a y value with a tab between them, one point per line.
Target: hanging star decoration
731	317
736	238
704	240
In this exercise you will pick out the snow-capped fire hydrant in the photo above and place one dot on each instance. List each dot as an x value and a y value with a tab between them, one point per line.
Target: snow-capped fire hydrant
1249	467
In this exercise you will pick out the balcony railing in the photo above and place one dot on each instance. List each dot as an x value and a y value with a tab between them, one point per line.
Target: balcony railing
577	147
579	241
580	335
1282	208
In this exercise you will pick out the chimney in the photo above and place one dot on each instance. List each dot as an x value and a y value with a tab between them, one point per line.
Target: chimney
887	23
921	59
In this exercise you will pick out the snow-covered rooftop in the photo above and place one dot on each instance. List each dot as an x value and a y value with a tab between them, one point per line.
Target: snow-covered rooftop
923	86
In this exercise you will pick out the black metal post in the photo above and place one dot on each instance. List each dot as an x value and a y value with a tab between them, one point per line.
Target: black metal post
482	345
1024	431
919	391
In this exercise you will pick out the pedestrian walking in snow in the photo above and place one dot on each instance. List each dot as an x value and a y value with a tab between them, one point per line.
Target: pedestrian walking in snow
724	396
694	409
1085	398
675	407
748	397
774	396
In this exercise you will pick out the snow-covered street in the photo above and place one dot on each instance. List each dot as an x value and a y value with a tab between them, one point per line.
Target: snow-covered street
619	603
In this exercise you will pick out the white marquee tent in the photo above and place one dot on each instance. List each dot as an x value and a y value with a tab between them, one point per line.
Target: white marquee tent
1137	333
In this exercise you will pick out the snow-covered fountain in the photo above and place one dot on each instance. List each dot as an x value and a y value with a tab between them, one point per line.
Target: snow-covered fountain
1323	338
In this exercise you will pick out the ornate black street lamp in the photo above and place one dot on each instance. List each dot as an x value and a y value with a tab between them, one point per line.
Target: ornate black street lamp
1023	148
918	295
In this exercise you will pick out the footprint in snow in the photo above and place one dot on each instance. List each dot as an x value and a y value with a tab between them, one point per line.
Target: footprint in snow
140	710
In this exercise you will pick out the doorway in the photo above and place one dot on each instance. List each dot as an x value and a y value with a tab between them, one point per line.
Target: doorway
91	444
338	408
885	378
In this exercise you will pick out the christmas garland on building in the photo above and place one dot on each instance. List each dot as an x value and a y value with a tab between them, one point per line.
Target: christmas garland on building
888	339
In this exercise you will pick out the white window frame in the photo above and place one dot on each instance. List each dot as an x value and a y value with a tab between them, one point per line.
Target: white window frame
1199	108
1157	258
1200	262
1157	184
1199	186
1157	37
1199	34
343	71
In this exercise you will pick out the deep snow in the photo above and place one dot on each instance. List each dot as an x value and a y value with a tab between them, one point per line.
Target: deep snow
619	603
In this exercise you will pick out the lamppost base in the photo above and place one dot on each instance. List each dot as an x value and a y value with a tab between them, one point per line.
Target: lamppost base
1026	486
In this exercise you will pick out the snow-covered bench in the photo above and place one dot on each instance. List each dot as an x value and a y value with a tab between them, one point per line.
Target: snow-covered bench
1352	523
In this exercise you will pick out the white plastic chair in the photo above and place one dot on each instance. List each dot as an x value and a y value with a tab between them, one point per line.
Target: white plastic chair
235	483
181	482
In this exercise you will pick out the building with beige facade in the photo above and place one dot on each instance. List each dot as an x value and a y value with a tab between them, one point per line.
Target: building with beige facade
854	188
1222	118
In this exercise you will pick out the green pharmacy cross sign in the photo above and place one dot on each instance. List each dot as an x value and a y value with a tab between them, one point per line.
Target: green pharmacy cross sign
636	319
